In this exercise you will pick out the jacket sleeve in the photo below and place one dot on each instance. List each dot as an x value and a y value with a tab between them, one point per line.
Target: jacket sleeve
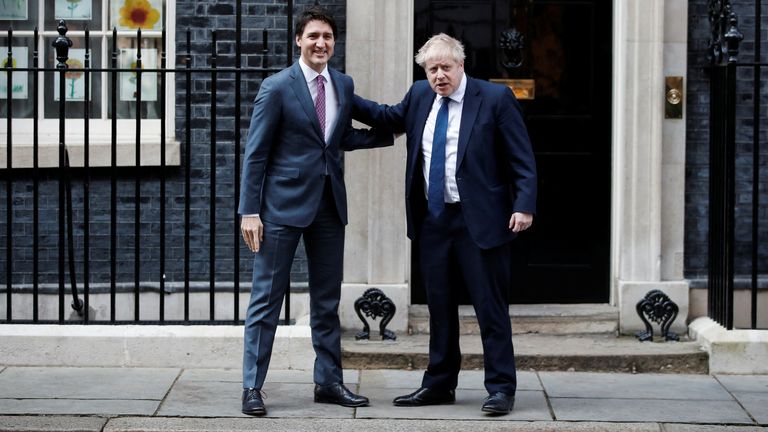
355	139
517	147
261	135
391	117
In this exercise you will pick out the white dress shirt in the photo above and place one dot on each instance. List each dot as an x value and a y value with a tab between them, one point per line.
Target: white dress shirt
331	101
455	106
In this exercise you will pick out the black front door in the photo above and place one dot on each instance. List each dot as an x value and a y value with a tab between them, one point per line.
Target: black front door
566	54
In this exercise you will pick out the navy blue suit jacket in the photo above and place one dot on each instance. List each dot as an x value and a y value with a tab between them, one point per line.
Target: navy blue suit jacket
286	156
496	170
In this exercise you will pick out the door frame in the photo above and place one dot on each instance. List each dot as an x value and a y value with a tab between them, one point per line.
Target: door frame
647	152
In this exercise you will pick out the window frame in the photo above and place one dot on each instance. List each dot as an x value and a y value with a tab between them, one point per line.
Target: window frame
100	129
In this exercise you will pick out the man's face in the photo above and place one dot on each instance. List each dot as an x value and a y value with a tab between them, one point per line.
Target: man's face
444	75
316	44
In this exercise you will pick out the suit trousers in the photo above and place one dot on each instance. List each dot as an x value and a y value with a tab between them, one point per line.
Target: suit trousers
324	244
444	245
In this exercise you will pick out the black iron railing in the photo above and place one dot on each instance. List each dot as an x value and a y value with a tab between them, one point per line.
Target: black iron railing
724	70
115	175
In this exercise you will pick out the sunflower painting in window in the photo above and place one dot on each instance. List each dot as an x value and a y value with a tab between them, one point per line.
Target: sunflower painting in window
137	14
19	88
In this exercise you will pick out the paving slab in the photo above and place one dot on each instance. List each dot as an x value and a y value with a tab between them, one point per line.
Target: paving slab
51	424
86	383
676	427
756	404
129	424
222	399
277	376
529	405
78	406
649	410
633	386
751	391
745	383
402	379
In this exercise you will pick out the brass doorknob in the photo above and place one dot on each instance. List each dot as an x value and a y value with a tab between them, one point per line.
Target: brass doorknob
674	96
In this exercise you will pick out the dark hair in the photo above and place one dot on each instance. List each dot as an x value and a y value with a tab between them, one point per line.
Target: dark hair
315	13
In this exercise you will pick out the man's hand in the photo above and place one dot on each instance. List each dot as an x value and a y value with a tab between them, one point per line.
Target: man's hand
520	221
253	232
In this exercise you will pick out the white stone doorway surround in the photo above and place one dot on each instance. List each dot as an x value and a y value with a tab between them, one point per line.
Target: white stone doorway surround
648	153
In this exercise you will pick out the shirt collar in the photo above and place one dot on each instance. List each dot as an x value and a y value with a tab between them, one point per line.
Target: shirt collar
310	74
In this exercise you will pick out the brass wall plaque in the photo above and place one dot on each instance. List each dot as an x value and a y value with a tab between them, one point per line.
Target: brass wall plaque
524	89
673	97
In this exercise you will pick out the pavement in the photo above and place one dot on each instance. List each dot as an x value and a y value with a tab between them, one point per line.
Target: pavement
178	399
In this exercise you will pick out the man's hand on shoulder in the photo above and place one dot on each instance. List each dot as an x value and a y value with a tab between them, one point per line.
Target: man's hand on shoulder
520	221
253	232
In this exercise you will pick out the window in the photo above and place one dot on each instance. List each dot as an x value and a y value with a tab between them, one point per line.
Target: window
99	17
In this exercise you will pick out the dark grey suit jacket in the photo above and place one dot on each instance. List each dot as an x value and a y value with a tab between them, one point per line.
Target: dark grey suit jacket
286	157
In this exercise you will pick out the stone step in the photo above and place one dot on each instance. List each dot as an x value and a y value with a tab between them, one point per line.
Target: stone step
534	318
572	352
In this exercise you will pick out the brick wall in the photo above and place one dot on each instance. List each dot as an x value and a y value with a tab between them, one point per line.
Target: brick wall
201	17
697	151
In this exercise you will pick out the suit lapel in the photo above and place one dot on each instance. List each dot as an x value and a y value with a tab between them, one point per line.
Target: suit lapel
341	98
472	102
299	86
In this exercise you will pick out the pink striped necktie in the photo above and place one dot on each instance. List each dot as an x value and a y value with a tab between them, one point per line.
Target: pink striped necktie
320	103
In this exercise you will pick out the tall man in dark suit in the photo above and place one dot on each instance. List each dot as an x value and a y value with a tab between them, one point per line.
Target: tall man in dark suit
470	188
293	185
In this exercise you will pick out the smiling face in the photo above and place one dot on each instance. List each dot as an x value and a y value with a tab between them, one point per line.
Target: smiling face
316	44
444	75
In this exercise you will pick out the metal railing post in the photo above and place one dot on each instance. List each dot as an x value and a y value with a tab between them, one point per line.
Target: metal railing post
9	181
137	189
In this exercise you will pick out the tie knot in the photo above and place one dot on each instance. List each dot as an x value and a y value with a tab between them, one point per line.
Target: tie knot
320	80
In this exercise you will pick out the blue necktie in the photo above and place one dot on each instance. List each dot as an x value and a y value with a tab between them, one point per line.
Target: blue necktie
435	191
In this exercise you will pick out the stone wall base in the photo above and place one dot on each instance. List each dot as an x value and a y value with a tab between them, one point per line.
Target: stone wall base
731	351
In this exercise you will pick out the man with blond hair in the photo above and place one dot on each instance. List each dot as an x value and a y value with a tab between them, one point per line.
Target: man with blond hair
470	188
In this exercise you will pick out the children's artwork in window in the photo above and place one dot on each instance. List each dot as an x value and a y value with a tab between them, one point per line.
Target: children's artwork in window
137	14
73	9
74	80
13	10
129	80
19	85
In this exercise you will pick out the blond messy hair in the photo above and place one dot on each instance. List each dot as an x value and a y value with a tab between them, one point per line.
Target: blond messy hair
440	47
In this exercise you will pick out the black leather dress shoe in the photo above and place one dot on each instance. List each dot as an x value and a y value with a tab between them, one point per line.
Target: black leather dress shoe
425	396
499	403
252	402
340	395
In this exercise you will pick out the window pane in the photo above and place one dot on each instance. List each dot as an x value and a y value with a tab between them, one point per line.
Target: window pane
137	14
21	14
127	82
22	85
74	81
78	14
